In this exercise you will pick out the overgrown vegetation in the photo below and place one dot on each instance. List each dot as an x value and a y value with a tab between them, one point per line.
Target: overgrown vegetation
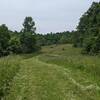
88	30
58	73
9	66
55	38
18	42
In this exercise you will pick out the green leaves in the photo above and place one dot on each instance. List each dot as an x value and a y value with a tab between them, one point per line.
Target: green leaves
29	25
4	40
89	30
27	37
18	42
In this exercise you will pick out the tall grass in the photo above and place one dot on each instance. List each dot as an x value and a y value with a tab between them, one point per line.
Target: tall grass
9	66
71	58
58	73
84	69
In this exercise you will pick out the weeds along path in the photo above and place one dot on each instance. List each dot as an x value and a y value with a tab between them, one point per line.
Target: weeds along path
38	80
67	73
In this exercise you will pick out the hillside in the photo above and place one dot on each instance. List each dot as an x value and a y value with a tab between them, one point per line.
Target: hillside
59	72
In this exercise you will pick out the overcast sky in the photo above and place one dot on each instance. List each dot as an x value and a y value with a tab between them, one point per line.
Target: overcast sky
49	15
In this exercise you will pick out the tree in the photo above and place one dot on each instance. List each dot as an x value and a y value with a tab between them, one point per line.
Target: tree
63	39
27	38
29	25
88	30
4	40
14	44
28	42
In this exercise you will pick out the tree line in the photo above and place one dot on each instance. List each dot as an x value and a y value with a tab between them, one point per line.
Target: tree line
54	38
27	41
18	42
86	36
88	31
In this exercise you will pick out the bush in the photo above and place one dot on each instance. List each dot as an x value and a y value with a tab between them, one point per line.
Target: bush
14	45
92	45
4	40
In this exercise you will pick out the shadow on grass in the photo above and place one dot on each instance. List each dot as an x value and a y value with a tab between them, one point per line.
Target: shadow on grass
30	55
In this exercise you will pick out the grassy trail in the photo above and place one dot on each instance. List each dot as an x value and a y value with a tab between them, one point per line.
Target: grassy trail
56	75
38	80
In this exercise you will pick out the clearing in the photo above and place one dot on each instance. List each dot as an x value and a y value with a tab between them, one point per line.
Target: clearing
59	72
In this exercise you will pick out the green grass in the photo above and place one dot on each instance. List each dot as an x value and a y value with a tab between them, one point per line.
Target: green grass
58	73
9	66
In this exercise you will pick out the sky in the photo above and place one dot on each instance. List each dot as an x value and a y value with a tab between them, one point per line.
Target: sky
49	15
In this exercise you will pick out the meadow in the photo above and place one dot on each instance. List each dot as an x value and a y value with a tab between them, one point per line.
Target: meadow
58	72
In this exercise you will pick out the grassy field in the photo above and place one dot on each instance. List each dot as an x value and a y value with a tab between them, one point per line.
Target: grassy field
57	73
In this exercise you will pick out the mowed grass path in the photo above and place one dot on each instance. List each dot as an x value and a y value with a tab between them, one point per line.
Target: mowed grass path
40	81
56	74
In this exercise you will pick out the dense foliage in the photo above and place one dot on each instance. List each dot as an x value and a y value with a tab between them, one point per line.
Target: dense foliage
4	40
55	38
18	42
27	36
88	30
